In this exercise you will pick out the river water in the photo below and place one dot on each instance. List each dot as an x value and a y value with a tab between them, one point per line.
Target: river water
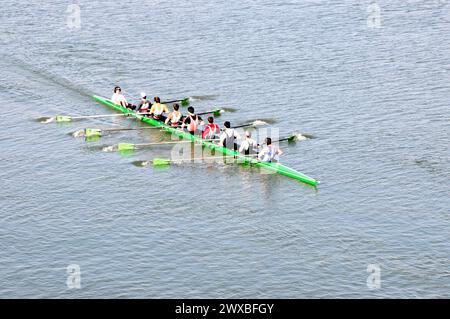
372	90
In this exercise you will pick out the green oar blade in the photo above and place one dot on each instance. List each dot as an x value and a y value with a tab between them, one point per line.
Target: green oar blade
125	147
185	102
61	118
292	138
91	132
217	113
161	162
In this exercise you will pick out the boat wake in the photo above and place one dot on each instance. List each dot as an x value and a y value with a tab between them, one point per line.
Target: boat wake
265	121
259	123
39	73
228	110
307	136
203	97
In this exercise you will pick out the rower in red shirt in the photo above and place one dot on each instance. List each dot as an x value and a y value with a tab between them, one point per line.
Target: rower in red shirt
211	130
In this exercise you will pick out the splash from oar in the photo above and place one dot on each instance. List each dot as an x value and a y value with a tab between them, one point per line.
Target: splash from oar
110	148
266	121
79	133
141	163
308	136
45	119
229	109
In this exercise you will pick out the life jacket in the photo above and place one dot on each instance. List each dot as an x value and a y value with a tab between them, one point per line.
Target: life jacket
210	131
193	124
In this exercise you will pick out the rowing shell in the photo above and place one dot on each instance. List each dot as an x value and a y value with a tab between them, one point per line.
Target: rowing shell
273	167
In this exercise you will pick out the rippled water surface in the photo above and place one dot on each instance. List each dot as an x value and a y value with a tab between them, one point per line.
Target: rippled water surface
376	101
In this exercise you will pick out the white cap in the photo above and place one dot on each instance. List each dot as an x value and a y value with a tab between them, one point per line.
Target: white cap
143	94
247	133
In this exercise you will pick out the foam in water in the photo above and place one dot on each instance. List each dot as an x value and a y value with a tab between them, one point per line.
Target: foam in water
45	120
79	133
141	163
110	148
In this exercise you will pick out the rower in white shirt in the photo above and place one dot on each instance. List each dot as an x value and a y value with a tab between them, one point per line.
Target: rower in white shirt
119	99
248	145
269	153
229	136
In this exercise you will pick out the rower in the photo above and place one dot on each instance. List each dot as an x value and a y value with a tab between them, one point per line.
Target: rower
158	109
191	121
119	99
248	145
211	130
229	136
144	104
269	152
174	117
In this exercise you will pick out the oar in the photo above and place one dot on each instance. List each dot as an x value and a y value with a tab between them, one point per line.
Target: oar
129	146
90	132
216	112
167	162
184	102
290	139
66	118
254	124
293	138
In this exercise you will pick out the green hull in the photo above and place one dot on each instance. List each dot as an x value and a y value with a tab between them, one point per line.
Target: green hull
274	167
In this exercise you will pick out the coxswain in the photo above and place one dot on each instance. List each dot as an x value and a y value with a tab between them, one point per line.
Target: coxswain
248	145
269	152
211	130
119	99
174	118
229	136
191	121
144	104
158	110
